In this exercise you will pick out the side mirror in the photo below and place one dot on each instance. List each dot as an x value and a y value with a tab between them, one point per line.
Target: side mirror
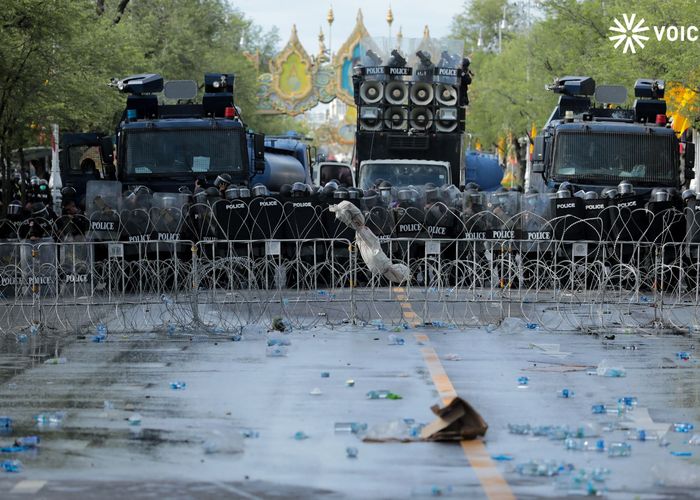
259	153
107	152
689	160
538	155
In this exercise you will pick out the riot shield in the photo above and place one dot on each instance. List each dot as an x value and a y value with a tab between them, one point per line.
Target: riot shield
102	208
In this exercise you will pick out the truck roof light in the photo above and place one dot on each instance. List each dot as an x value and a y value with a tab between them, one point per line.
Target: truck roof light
661	120
131	114
230	112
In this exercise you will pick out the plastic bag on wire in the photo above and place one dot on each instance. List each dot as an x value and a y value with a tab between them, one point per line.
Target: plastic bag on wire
368	244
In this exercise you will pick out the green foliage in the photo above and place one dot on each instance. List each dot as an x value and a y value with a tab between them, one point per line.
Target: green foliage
568	37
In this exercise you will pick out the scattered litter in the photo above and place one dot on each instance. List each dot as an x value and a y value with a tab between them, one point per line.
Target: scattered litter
325	375
353	427
236	337
452	357
628	401
250	433
178	385
532	326
523	381
542	468
350	382
642	435
279	341
694	440
455	422
5	422
502	458
396	340
402	430
276	351
684	356
11	465
557	432
605	370
300	435
519	428
56	361
101	333
682	453
22	338
619	450
50	419
382	394
134	419
683	427
351	452
315	391
580	444
566	393
378	323
602	409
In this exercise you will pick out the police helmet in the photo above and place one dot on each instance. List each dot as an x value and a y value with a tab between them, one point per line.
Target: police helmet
244	192
223	179
212	192
260	190
14	208
625	188
200	195
688	194
610	192
341	194
232	192
39	209
299	189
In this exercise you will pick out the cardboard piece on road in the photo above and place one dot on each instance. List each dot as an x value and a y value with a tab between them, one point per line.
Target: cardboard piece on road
456	422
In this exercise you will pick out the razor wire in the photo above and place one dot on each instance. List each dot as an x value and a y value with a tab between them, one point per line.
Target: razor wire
191	270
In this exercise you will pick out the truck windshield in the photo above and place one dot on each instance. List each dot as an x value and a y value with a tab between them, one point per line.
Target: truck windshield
187	151
607	159
404	174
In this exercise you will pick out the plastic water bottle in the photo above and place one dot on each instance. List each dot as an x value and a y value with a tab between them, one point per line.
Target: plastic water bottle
628	401
28	441
325	374
683	427
538	468
601	409
532	326
682	453
351	452
519	428
619	450
396	340
353	427
134	419
22	338
276	351
382	394
566	393
11	465
250	433
584	444
170	329
300	436
279	341
694	440
52	419
5	422
177	385
684	356
523	381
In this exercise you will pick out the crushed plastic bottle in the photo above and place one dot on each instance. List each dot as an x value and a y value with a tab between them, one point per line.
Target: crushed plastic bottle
502	458
107	405
519	428
532	326
642	435
396	340
683	427
11	465
584	444
100	333
279	341
694	440
28	441
353	427
34	329
22	338
315	391
538	468
566	393
629	401
350	383
619	450
325	374
523	381
452	357
683	355
378	323
300	436
250	433
56	361
682	453
134	419
5	422
382	394
351	452
276	351
178	385
170	329
606	370
603	409
50	419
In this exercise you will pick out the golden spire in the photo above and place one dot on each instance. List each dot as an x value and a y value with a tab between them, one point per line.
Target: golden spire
426	32
399	36
330	18
359	16
389	17
322	57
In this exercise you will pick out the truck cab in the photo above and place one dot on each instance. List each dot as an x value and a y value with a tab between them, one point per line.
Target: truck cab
598	145
403	173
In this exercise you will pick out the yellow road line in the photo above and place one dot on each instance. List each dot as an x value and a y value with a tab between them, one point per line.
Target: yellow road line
493	483
409	315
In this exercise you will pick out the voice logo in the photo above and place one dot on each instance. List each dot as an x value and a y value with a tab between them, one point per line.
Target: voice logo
633	35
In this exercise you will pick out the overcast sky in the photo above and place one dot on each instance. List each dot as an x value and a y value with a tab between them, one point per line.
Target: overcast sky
310	15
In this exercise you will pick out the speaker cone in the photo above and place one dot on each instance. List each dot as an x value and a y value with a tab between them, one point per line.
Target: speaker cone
446	95
421	118
446	119
370	118
371	92
396	118
422	93
396	93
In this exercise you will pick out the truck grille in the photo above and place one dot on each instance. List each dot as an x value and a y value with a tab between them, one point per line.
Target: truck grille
415	142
